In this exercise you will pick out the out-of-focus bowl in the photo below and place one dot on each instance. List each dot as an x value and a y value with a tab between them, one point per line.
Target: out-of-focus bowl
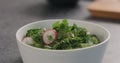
63	2
92	54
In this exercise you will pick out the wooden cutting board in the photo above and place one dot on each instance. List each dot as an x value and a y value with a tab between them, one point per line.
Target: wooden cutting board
105	9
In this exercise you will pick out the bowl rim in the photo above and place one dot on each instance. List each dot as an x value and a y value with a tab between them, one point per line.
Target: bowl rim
78	49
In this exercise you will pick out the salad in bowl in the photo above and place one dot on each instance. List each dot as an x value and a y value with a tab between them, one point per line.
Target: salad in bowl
61	36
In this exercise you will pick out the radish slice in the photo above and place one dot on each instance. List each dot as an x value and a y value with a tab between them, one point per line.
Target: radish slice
27	40
49	36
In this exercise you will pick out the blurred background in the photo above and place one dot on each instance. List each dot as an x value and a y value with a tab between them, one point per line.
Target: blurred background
16	13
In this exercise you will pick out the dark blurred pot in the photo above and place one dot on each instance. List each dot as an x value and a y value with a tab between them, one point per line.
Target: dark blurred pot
63	2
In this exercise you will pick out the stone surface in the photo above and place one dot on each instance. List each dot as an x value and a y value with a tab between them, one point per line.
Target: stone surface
16	13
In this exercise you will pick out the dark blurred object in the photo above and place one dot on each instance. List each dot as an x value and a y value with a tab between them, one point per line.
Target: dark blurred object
63	3
105	9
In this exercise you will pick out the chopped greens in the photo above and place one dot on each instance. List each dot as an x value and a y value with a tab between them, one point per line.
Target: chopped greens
36	35
62	36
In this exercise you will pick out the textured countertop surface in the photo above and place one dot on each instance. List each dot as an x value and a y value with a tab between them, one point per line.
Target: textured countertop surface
16	13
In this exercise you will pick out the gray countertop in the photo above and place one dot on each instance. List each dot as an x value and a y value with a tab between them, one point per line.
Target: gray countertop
16	13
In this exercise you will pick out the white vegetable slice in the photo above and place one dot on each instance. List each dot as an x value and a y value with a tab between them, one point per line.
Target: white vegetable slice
28	40
88	33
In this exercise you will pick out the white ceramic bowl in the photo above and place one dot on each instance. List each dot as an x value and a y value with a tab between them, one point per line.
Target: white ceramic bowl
92	54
